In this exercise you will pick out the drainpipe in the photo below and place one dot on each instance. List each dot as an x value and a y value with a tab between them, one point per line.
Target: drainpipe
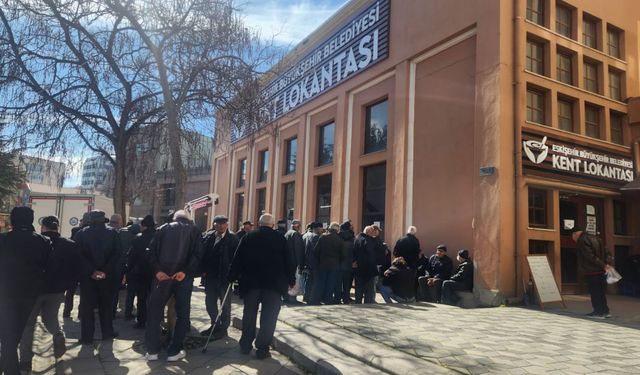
517	138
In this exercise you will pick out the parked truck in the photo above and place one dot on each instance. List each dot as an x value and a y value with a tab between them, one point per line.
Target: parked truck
69	208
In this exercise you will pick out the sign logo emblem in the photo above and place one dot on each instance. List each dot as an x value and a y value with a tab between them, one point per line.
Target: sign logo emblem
536	151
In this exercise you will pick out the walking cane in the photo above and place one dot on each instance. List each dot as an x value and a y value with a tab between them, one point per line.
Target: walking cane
224	300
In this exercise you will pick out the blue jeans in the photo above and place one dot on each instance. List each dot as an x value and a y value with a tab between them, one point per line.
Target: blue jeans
389	296
161	292
324	285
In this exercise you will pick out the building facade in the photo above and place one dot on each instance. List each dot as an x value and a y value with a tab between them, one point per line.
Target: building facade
489	125
97	175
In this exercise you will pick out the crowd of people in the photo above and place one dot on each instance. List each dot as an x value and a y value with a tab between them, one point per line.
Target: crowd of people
269	265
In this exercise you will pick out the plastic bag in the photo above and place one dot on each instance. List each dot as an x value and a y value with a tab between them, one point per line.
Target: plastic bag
297	289
613	276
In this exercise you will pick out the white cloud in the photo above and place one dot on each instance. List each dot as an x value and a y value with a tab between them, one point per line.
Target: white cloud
288	21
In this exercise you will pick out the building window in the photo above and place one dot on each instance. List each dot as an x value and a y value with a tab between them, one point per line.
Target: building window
535	106
323	199
242	172
613	42
291	156
169	194
589	32
325	144
537	247
289	199
592	121
616	128
565	115
535	11
615	85
263	166
535	57
376	127
240	208
563	20
537	208
591	77
564	68
620	218
261	202
374	194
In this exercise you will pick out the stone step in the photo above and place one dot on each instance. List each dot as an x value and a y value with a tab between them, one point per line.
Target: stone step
371	352
313	355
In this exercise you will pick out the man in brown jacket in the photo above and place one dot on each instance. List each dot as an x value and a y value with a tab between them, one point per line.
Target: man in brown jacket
592	258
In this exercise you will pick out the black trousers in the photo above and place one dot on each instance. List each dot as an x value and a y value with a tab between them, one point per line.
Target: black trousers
270	301
138	289
429	293
597	285
14	315
68	299
215	290
94	293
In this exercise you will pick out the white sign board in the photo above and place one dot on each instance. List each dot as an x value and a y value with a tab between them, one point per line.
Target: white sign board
543	278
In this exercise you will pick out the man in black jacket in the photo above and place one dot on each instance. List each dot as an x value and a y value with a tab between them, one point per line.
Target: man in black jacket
461	281
328	254
25	257
70	293
343	288
365	249
247	227
436	270
174	256
139	272
408	247
398	282
295	245
100	247
68	265
592	261
219	247
263	268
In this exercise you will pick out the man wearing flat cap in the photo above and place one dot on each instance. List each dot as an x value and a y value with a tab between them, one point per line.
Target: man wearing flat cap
25	257
101	248
219	246
461	281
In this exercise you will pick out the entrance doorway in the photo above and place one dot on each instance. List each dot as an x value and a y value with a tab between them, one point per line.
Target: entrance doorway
584	212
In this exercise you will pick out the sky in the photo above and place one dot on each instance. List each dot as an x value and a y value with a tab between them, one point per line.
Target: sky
285	22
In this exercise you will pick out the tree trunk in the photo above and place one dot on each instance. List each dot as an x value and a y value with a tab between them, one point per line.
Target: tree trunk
120	184
175	148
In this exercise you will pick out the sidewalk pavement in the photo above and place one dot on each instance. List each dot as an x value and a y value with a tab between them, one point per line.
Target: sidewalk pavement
124	354
398	339
403	338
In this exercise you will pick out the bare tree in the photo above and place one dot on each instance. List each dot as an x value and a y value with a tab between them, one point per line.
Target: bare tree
72	72
203	57
97	71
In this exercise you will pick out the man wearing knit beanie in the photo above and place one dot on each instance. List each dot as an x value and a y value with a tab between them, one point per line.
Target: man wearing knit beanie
24	259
